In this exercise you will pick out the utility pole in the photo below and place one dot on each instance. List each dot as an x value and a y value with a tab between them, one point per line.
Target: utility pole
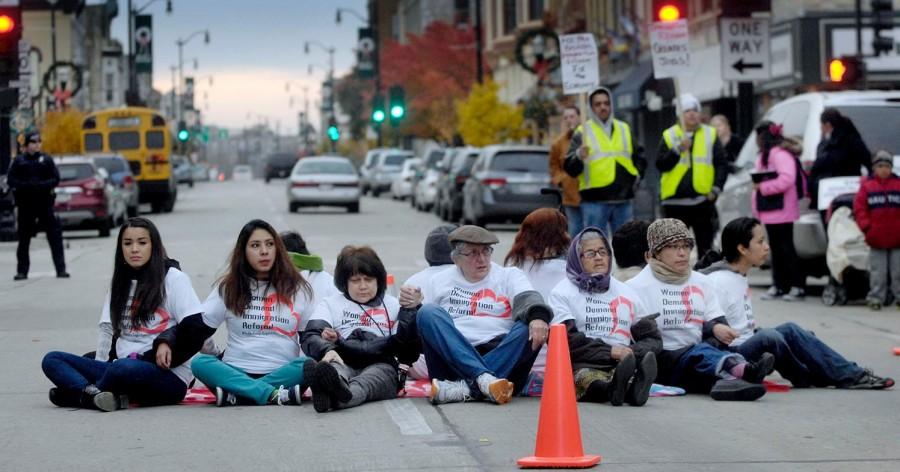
479	72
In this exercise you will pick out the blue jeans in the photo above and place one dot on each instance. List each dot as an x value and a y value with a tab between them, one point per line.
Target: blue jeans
142	381
700	366
800	356
606	215
213	372
449	355
575	219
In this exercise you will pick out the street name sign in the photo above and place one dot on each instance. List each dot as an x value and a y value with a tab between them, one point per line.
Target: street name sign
671	49
745	49
580	65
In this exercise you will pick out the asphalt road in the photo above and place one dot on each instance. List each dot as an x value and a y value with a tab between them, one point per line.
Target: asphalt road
804	430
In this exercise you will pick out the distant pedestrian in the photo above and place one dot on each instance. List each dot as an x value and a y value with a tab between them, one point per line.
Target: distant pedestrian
147	298
731	143
571	199
694	168
841	152
877	212
33	177
603	156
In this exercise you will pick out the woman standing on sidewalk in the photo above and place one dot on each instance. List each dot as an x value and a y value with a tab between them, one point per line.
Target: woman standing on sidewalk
148	295
775	203
262	299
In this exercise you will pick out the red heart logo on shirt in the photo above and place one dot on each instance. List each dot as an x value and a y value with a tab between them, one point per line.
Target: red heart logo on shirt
163	324
689	308
488	294
614	307
271	301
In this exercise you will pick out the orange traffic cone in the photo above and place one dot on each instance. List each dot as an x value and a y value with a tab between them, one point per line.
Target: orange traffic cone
559	432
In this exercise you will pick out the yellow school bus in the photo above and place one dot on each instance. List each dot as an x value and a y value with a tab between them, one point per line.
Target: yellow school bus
142	137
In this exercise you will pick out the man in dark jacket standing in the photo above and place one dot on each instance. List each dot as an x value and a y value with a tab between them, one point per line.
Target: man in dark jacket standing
33	178
607	163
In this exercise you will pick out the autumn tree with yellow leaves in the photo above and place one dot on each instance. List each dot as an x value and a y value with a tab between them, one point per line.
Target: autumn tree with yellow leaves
61	132
483	119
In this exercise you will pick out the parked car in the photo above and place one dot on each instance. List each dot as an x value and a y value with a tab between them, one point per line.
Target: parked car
426	187
401	187
450	185
85	197
181	167
279	165
506	184
242	173
200	172
368	167
122	179
869	110
323	181
387	165
430	160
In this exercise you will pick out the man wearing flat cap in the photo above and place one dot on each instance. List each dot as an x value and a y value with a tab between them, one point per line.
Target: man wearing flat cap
693	168
482	325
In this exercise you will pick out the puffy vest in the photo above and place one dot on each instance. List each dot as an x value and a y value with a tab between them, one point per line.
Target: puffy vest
606	152
700	158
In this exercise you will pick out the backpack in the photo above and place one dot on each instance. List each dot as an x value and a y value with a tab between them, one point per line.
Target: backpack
795	148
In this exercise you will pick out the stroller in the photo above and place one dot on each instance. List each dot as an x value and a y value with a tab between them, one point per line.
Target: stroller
847	255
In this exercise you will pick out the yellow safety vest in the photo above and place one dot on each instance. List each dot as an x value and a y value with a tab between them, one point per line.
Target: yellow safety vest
700	158
605	153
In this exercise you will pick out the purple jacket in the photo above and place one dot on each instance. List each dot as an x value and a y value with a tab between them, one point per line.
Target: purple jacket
782	162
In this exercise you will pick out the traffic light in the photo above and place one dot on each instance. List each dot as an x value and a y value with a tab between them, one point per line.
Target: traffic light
333	132
10	34
378	109
669	10
845	70
397	104
183	133
882	20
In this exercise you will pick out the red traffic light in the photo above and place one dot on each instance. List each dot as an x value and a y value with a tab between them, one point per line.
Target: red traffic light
7	24
669	13
669	10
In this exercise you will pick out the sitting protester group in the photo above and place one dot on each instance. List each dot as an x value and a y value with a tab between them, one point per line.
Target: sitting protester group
479	326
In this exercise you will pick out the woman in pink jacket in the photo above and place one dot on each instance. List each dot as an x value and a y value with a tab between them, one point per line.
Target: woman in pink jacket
775	204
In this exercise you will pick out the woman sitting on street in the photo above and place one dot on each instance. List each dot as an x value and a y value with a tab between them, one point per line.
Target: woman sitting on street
262	299
147	296
800	356
358	334
612	340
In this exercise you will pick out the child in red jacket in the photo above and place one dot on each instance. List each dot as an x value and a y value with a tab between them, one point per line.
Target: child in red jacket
877	212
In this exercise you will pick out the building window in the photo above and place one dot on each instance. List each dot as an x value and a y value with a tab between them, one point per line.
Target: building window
110	87
509	17
535	10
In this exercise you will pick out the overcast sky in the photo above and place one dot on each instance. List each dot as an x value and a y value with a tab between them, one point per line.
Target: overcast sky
255	48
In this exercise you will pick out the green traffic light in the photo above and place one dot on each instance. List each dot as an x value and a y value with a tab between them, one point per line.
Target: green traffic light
397	111
183	135
378	116
333	133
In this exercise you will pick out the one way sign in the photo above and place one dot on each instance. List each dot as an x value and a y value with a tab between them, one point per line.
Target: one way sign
745	49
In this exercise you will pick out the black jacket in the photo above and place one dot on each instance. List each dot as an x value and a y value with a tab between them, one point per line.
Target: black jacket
842	155
622	188
590	353
667	159
32	178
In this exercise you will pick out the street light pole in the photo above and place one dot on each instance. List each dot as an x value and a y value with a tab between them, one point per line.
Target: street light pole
180	43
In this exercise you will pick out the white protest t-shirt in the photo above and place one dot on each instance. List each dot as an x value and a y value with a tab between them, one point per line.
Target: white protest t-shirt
482	310
264	337
322	284
545	274
421	278
346	316
682	308
606	316
180	302
734	295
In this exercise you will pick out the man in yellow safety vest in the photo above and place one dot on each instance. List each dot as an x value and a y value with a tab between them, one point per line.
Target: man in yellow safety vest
693	169
607	163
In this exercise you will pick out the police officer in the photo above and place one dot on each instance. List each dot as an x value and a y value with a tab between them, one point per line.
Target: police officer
602	156
32	178
693	169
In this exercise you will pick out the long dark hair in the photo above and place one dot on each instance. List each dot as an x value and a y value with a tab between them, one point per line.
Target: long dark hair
234	286
842	125
359	260
542	230
771	136
151	279
738	232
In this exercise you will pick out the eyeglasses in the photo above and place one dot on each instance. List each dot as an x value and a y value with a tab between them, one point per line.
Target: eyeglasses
684	246
486	252
590	254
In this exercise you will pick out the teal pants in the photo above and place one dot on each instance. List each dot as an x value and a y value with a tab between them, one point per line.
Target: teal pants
215	373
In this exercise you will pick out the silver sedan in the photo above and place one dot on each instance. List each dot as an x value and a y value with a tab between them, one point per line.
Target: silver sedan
323	181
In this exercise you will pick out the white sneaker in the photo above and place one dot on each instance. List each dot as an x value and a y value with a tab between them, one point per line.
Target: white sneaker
796	294
287	396
499	391
772	294
447	391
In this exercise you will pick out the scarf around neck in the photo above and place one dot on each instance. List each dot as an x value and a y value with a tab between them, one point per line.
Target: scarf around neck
667	274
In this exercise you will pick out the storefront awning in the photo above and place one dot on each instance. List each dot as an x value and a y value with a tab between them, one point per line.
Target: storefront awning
627	95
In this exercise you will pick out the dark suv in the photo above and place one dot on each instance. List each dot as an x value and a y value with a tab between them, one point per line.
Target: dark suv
279	165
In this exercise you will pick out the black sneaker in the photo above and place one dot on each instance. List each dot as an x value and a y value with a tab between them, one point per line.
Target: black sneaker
327	380
20	277
618	385
65	398
644	375
736	390
870	381
108	401
224	398
755	372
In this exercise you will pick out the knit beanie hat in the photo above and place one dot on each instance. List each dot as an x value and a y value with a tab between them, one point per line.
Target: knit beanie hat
665	231
883	156
437	246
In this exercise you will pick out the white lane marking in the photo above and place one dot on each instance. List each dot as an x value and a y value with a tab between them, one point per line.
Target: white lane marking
407	417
